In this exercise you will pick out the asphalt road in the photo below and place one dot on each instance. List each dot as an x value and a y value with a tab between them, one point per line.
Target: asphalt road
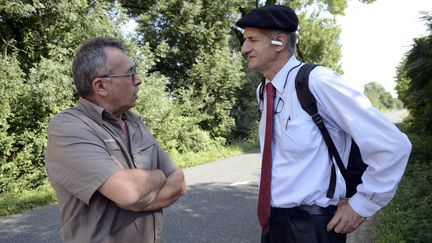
220	205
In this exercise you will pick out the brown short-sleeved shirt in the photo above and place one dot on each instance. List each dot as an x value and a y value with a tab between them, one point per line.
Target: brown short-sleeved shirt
81	141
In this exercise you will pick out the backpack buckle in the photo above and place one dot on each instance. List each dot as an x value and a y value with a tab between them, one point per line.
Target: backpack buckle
317	119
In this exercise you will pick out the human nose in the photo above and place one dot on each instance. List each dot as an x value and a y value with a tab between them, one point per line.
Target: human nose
246	48
137	80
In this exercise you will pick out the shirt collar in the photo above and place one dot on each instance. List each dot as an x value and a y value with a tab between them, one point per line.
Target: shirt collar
91	109
98	113
280	77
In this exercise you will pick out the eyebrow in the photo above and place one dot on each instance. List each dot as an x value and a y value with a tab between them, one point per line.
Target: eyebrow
132	68
249	37
252	36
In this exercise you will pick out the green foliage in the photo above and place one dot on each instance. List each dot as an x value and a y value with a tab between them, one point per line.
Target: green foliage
175	129
380	98
12	202
414	81
216	82
10	88
47	92
245	111
318	40
24	168
214	152
38	42
195	94
180	31
421	149
407	217
191	42
176	132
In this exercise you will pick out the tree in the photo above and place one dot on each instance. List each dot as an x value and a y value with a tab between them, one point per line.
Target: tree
380	98
191	43
196	91
180	31
216	82
38	39
414	81
10	87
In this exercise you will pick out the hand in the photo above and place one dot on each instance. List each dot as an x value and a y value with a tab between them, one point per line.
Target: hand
346	220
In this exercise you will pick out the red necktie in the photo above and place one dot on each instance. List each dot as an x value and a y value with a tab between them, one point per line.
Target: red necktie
266	167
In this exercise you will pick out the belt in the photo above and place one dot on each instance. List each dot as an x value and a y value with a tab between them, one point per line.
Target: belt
317	210
311	209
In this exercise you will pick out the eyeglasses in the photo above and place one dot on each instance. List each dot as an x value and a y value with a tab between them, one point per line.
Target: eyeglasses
132	74
279	106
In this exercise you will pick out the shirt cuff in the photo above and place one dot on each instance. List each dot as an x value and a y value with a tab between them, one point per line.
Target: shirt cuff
366	206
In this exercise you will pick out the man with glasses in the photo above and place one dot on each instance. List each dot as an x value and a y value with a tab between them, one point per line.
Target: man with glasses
293	204
111	177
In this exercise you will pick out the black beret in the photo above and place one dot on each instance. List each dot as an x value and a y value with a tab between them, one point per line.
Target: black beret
274	17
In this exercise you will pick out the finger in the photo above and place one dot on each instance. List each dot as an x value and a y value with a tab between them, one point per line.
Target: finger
347	229
353	224
342	226
345	224
333	222
358	221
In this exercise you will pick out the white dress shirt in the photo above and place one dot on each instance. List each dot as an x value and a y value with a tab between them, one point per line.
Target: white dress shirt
301	164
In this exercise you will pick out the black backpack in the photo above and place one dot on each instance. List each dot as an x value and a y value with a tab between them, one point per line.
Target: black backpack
353	173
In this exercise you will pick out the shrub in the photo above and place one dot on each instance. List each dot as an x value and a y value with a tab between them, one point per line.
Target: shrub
408	217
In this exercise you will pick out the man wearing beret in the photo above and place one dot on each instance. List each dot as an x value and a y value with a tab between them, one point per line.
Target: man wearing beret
293	203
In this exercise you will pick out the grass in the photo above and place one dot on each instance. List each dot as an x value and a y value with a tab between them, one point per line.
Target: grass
18	202
408	218
214	153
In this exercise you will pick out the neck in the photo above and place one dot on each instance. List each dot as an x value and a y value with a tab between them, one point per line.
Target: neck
276	67
117	114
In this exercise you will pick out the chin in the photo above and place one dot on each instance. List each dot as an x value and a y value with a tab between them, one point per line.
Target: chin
251	66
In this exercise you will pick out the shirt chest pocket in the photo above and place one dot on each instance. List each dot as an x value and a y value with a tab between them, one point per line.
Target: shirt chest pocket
115	151
300	137
145	156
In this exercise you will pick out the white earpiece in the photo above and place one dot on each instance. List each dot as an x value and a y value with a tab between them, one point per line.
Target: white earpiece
276	42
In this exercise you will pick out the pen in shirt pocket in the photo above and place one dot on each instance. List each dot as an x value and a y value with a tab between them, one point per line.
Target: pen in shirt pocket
286	124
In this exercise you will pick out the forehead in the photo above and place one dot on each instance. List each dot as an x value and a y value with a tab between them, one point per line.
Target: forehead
251	32
118	58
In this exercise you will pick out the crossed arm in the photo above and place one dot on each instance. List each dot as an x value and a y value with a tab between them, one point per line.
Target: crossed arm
143	190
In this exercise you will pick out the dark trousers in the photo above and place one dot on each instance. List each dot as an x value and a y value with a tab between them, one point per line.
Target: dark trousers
306	224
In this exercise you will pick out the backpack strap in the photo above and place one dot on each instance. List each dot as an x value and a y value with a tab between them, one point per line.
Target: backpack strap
306	98
308	103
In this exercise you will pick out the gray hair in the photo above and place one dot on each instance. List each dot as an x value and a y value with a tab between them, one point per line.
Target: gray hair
90	62
291	36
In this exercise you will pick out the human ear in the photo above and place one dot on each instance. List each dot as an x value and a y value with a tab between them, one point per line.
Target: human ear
281	41
99	87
